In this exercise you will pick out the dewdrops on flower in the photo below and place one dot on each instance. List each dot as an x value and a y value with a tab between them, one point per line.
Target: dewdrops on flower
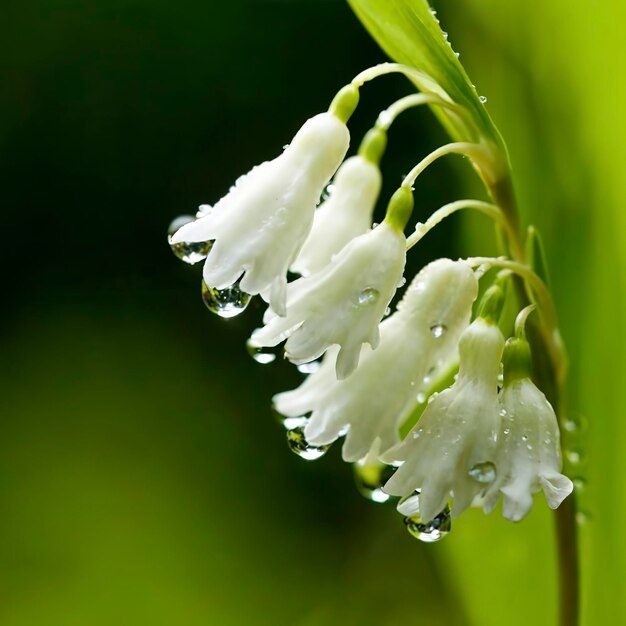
417	395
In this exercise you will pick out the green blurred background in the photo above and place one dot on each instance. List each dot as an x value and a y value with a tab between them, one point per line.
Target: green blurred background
143	479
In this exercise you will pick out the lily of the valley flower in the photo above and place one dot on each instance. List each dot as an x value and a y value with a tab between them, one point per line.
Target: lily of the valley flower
449	451
372	403
342	303
259	227
528	457
346	214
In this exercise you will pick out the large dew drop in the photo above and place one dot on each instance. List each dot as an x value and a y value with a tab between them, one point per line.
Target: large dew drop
227	302
187	251
261	355
370	480
300	446
368	296
438	330
483	472
427	531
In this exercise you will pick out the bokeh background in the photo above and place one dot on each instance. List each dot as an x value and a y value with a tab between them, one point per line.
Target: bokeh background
143	478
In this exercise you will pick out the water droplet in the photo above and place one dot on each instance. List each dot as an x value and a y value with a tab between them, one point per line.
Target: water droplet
582	518
524	437
429	531
575	424
483	99
261	355
573	456
579	483
309	368
370	480
189	252
437	330
368	296
457	54
445	35
506	431
225	302
421	398
502	412
328	192
300	446
483	472
387	311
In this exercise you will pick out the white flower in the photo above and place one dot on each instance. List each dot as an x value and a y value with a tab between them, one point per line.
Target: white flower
260	225
448	452
372	403
528	456
342	303
346	214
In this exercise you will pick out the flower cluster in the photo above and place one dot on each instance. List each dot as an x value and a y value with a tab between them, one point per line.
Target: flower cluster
433	391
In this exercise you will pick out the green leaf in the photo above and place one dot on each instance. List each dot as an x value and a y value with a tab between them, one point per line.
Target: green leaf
535	254
408	31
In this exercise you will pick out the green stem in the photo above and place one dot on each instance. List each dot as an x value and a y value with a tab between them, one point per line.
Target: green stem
448	209
567	549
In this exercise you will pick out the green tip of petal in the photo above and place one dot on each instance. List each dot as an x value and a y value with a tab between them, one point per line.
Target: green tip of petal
373	145
516	360
491	304
400	208
344	103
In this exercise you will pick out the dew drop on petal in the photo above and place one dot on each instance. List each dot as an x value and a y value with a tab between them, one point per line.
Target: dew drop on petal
368	296
370	480
261	355
483	472
300	446
429	531
328	192
438	330
421	398
189	252
227	302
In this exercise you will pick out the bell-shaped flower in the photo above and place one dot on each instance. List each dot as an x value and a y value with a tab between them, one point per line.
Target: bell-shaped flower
345	214
259	227
449	451
341	304
370	405
528	456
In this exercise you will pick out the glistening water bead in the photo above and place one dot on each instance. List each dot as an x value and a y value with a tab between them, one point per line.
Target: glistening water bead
368	296
370	479
261	355
227	302
483	472
438	330
300	446
429	531
187	251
